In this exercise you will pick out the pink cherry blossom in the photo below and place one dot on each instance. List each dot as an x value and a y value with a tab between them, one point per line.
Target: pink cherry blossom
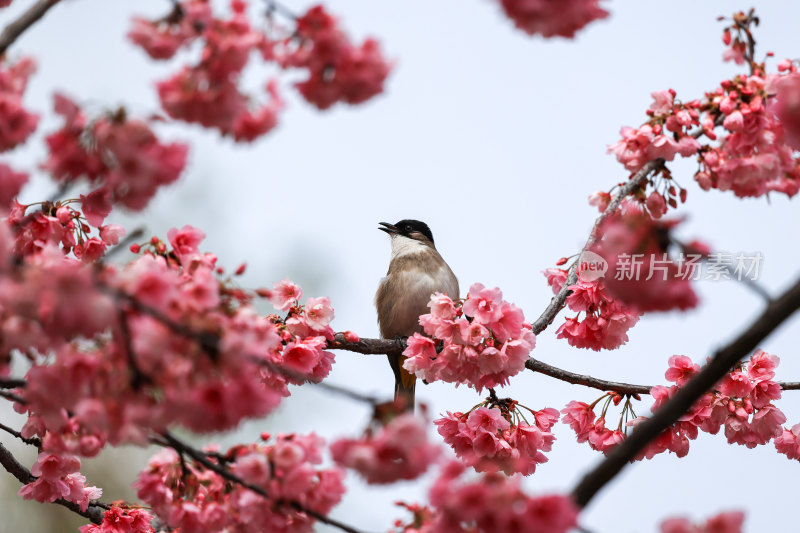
494	503
485	439
205	502
11	183
16	123
600	200
284	295
319	313
338	71
681	369
122	520
59	479
398	450
725	522
483	352
606	320
645	276
788	442
483	304
550	18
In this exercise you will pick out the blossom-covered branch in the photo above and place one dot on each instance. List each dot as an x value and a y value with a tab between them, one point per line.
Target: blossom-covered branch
203	459
558	301
12	32
93	512
724	359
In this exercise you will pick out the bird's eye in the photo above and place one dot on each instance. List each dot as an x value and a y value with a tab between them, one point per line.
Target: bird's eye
409	229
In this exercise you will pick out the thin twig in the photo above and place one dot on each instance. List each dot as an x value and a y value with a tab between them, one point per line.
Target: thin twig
368	346
724	359
12	32
585	380
277	7
33	441
124	243
95	510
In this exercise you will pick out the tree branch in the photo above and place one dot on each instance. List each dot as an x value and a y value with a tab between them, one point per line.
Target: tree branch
94	512
11	383
585	380
12	32
11	431
368	346
381	346
724	359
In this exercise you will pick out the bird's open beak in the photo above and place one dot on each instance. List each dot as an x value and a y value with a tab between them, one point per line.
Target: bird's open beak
391	229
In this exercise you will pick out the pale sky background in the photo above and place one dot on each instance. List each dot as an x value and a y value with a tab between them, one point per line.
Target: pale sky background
495	139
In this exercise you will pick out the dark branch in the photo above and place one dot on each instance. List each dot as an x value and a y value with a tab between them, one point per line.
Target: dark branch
381	346
11	397
11	383
585	380
95	510
12	32
368	346
11	431
724	359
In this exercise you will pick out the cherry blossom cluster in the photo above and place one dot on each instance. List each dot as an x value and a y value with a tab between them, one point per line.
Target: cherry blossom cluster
665	135
394	451
120	157
759	114
755	154
497	436
741	402
494	503
58	477
61	224
209	93
16	123
163	340
338	71
588	427
725	522
481	341
11	183
606	320
550	18
641	272
421	515
122	519
196	499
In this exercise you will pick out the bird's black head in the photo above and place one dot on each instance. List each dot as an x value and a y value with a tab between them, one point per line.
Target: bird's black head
413	229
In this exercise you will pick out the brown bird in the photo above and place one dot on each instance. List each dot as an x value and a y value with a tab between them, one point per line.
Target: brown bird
415	272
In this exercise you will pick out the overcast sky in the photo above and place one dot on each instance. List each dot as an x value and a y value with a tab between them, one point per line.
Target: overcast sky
495	139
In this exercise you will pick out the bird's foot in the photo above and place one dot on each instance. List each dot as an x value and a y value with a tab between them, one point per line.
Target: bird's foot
400	341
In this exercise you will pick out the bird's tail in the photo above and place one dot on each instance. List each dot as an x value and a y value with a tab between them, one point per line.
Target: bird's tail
404	383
